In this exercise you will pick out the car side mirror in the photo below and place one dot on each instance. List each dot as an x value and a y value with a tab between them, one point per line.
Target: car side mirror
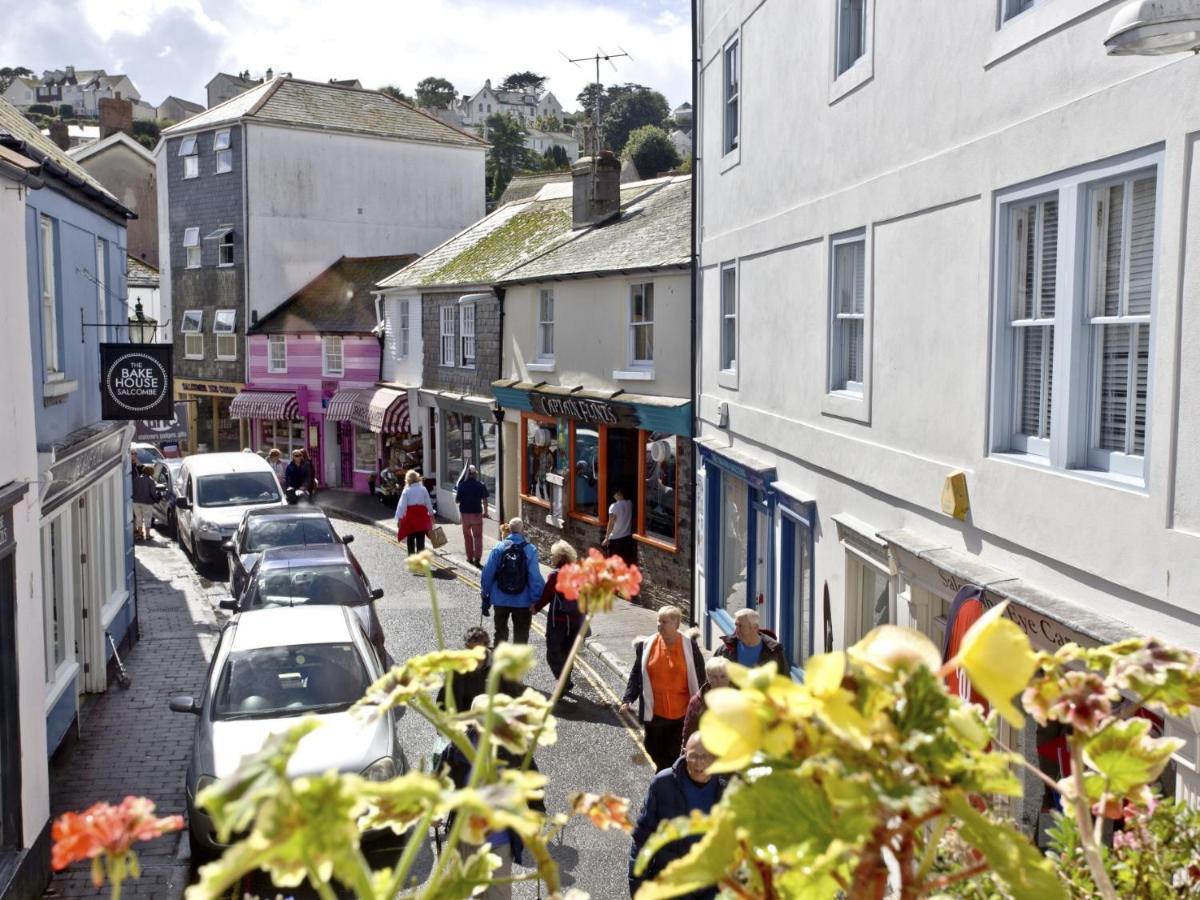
347	539
377	593
185	704
227	545
231	605
182	503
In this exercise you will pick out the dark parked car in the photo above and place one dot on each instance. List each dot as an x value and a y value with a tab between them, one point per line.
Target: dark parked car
270	667
320	575
268	527
165	471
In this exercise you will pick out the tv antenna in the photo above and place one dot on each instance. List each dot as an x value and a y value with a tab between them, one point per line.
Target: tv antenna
596	58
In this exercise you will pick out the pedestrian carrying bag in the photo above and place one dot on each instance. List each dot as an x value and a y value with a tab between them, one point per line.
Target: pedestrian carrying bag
438	536
512	575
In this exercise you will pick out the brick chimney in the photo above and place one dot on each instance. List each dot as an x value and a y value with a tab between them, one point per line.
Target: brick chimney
595	189
115	115
60	135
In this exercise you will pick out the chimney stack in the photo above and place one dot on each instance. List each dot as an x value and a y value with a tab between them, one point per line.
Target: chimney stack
115	115
60	135
595	189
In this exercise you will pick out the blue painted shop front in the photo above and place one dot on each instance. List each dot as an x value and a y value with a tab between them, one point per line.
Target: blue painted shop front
757	551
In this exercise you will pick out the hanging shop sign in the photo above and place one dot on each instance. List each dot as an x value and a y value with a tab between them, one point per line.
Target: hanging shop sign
135	381
164	431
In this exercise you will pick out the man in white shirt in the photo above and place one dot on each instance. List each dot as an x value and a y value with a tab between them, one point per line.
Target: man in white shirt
618	539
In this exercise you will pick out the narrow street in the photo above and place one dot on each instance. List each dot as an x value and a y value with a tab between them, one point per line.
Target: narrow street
131	743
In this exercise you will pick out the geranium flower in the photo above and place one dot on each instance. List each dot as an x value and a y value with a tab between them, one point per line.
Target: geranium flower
597	581
605	810
104	829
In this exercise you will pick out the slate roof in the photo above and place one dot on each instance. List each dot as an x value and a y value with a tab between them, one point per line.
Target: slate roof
331	107
652	232
19	134
338	301
522	187
83	151
140	273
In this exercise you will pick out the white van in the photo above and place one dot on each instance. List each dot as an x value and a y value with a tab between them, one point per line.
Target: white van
214	490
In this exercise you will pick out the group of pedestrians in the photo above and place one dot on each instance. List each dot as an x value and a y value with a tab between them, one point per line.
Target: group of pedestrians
299	474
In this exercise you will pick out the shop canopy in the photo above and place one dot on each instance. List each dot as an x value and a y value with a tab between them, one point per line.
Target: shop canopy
612	408
378	409
264	405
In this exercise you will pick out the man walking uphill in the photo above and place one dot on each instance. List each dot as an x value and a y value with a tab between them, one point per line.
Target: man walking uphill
512	582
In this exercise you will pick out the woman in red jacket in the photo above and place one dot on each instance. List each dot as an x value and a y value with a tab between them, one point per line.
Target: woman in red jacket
414	513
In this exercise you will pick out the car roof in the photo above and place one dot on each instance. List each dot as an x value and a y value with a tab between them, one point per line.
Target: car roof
223	463
284	626
291	512
316	554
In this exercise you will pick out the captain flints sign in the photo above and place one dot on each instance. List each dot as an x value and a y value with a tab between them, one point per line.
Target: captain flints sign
135	381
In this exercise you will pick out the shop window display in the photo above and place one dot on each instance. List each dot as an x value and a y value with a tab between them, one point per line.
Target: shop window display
658	501
585	472
364	450
545	454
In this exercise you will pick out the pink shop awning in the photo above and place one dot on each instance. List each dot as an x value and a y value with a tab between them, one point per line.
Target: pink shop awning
264	405
381	410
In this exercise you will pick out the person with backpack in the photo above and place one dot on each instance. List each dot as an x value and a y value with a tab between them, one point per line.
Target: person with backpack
564	618
512	582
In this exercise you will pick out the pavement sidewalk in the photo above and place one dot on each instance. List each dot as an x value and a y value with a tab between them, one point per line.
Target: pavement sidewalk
612	634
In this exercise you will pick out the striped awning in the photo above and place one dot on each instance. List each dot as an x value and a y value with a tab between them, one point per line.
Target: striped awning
264	405
381	410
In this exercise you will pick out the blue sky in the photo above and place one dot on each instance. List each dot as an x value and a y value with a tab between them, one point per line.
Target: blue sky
175	46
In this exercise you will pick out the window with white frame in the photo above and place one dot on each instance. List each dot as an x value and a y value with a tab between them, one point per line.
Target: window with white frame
402	328
225	250
868	598
1073	375
641	325
729	311
732	69
193	336
277	353
332	362
102	287
1010	8
191	162
447	317
191	247
223	151
846	333
49	297
58	624
224	327
546	325
466	335
851	33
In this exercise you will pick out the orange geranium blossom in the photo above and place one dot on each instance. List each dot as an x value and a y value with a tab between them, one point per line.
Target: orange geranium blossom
109	830
597	581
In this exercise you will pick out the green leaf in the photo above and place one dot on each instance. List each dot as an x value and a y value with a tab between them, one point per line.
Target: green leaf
705	863
786	809
667	833
1124	755
461	876
1027	874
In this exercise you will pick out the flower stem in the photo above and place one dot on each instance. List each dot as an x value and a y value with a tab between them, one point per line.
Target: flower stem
409	856
559	687
437	613
1083	817
324	891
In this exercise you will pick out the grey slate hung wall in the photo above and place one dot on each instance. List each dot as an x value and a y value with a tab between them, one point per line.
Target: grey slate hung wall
207	202
477	380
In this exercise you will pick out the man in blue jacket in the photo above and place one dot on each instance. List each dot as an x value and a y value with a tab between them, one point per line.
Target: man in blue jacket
512	582
675	792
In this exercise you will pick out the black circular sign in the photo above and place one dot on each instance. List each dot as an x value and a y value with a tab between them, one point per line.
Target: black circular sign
137	382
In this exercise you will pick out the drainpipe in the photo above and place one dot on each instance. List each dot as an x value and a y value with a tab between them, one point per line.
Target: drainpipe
697	604
498	415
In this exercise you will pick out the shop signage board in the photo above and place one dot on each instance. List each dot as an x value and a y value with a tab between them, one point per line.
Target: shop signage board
585	409
135	381
79	468
164	431
209	387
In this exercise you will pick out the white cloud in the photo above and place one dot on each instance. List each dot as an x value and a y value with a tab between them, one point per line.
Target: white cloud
107	18
164	52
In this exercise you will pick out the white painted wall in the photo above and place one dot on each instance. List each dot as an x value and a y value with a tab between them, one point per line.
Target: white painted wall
402	366
18	463
914	155
316	196
591	334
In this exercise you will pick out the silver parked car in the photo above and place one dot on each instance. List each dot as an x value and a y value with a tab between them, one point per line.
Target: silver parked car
270	667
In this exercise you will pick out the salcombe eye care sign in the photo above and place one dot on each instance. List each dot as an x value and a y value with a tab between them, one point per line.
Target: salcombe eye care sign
135	381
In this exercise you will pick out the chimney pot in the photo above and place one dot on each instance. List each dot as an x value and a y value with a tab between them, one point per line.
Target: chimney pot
60	135
595	189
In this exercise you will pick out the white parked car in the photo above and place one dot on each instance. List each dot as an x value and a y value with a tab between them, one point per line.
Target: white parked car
214	492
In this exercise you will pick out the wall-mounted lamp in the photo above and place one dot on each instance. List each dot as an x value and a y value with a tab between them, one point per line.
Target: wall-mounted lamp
1155	28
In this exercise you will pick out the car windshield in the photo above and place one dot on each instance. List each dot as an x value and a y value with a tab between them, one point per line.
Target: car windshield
270	682
264	532
237	489
332	585
147	456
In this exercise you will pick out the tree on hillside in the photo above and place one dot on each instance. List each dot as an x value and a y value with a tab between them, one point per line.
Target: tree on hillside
508	152
555	158
529	82
392	91
435	93
650	150
632	106
587	99
7	74
548	123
